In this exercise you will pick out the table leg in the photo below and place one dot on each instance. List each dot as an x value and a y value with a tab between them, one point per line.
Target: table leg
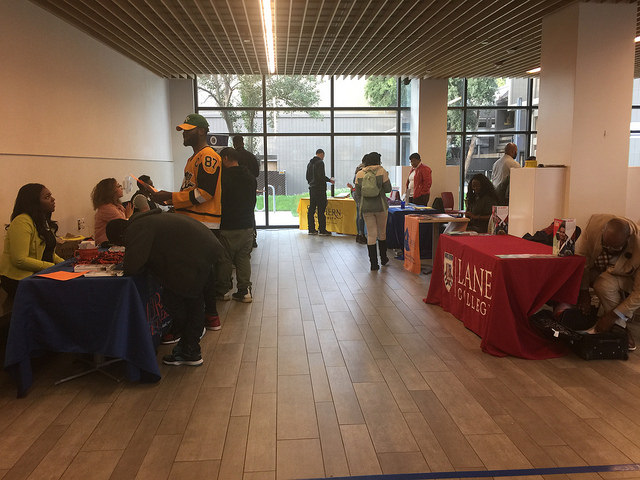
97	364
435	236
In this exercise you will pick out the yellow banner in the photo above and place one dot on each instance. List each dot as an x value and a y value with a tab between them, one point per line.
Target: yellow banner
340	213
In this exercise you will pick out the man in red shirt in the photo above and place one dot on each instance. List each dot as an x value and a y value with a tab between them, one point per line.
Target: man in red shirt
419	181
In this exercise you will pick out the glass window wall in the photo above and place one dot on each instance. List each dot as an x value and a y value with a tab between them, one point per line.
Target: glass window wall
484	115
346	117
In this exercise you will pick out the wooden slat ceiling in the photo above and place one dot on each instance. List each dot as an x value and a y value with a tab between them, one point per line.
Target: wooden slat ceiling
408	38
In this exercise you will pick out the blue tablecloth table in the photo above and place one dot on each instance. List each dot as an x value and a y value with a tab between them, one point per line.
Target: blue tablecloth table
395	228
119	317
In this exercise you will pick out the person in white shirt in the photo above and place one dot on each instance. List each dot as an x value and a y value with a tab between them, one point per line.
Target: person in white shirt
502	167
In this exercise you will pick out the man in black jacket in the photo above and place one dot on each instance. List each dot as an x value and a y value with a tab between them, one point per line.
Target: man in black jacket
236	227
250	162
245	157
178	251
317	193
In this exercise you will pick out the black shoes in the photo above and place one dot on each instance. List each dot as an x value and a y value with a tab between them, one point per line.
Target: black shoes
373	257
383	252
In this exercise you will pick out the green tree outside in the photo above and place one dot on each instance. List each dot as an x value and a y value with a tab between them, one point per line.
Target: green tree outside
242	91
381	92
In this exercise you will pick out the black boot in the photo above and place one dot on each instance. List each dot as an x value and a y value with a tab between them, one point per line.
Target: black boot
373	256
383	252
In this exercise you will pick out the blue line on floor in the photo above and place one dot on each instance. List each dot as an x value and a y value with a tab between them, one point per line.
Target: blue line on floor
495	473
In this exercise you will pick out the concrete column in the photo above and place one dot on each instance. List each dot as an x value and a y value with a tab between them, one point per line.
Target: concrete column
430	103
586	87
180	105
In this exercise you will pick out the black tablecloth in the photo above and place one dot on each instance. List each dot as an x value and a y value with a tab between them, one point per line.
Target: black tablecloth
119	317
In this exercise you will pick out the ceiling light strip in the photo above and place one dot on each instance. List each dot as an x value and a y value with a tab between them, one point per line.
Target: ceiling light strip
267	29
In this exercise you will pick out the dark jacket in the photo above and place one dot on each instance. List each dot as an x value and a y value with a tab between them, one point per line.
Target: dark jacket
315	174
249	161
238	198
178	250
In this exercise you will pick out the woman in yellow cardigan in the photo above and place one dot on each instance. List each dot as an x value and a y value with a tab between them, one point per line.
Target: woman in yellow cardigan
30	242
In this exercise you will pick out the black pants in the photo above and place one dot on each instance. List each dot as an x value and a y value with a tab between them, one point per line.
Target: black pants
188	319
317	200
9	285
421	200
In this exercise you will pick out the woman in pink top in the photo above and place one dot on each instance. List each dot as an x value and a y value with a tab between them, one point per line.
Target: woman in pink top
106	202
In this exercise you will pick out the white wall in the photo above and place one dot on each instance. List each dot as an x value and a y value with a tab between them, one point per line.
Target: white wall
586	88
74	111
181	104
432	135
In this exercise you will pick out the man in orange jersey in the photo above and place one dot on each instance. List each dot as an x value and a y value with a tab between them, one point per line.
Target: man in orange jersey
200	196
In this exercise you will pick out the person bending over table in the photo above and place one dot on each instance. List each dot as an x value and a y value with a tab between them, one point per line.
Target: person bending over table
106	197
480	200
611	246
30	241
372	185
179	252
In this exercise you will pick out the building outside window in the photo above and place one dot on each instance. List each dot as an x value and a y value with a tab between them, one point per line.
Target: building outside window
484	114
285	119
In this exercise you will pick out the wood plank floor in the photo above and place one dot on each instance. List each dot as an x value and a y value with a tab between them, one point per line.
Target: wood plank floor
333	370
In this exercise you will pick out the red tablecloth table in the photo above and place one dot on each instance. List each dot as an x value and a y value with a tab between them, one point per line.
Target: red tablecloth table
494	297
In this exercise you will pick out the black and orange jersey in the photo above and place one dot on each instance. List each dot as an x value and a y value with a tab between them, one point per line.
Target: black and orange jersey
200	196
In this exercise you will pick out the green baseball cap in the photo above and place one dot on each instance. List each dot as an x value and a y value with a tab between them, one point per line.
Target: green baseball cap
192	121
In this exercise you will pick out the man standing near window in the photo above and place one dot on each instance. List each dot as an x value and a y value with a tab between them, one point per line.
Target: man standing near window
249	161
317	193
200	196
419	181
236	230
502	167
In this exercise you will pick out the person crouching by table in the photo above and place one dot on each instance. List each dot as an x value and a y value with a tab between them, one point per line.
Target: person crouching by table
481	198
372	185
30	241
179	252
611	246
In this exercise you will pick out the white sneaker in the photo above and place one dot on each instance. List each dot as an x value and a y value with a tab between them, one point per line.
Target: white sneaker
225	298
243	296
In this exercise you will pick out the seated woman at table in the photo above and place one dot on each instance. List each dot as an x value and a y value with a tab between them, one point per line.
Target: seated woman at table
106	197
372	185
481	197
30	241
140	199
